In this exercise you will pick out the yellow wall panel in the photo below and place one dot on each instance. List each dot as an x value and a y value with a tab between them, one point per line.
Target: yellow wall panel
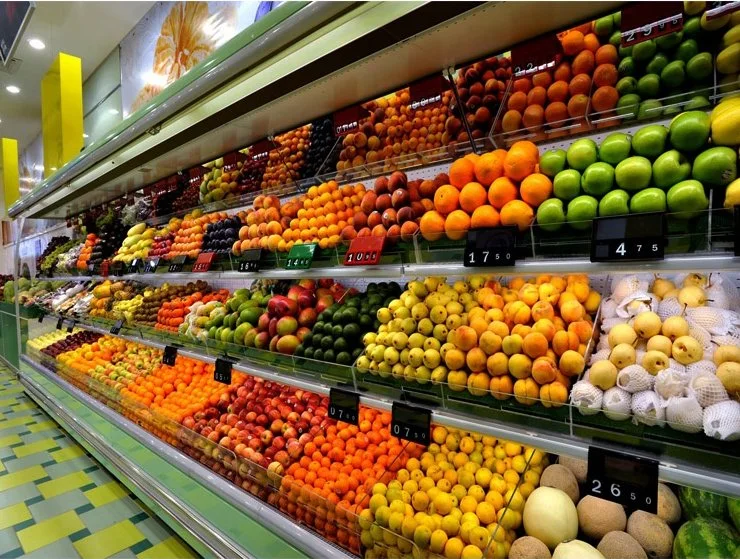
9	173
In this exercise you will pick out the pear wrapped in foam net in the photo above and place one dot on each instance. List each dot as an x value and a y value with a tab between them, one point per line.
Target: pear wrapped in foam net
703	366
722	421
601	355
628	285
586	397
707	389
670	383
684	413
669	307
648	408
634	378
637	303
609	323
717	296
617	404
718	322
731	338
603	343
609	308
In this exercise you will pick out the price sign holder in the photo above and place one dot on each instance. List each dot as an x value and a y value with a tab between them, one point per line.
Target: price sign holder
344	406
105	269
364	251
91	269
736	210
117	268
642	21
718	9
428	92
133	268
626	479
539	54
116	328
222	372
411	423
347	120
250	260
204	261
170	355
177	264
628	237
260	150
495	246
60	323
151	266
41	317
71	326
300	257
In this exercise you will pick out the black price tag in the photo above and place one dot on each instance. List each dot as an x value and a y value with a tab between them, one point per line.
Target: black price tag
116	328
91	269
117	268
344	406
151	266
536	55
411	423
250	260
628	237
629	480
133	268
737	230
170	355
41	317
60	323
490	247
642	21
70	326
177	263
222	372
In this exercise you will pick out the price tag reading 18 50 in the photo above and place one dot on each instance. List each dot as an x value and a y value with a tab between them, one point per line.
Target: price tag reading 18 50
300	257
490	247
642	21
411	423
344	406
628	237
364	251
222	372
629	480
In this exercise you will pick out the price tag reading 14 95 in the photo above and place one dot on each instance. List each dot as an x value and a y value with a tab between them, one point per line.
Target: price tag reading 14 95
631	481
411	423
300	257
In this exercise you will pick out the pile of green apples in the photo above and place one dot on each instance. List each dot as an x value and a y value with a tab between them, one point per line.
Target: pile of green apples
658	169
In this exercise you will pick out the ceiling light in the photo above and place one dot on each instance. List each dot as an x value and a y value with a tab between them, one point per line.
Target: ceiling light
37	44
85	135
113	111
13	89
53	168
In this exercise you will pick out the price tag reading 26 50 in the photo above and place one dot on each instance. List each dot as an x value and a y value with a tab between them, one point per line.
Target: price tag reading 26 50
411	423
631	481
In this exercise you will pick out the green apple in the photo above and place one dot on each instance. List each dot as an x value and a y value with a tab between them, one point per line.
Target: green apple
581	211
644	51
615	202
691	28
628	105
656	65
597	179
674	74
604	26
552	162
633	173
615	148
567	184
582	153
689	131
687	199
649	108
687	50
649	141
717	165
667	42
626	85
627	67
648	86
550	214
699	66
696	102
670	168
648	200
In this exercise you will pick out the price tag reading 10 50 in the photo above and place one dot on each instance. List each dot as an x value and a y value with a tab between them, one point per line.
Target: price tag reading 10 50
344	406
631	481
411	423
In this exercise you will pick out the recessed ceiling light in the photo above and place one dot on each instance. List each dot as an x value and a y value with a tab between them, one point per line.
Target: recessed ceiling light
13	89
113	111
37	44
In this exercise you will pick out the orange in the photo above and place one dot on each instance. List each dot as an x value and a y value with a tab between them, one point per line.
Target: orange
556	112
558	91
502	191
537	96
580	84
605	74
535	189
490	166
512	121
572	42
518	164
522	84
432	225
604	98
446	199
607	54
462	171
517	101
563	72
542	79
471	196
583	63
533	117
517	213
591	42
484	216
577	105
457	225
528	147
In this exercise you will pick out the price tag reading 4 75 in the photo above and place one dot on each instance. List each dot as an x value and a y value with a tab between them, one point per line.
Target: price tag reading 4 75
411	423
490	247
629	480
344	406
628	237
300	257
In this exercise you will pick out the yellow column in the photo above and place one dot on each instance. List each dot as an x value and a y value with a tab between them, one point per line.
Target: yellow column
9	173
61	112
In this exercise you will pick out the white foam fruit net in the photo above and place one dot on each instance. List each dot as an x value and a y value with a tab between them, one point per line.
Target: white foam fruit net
609	323
609	308
587	397
731	338
717	296
684	413
627	285
617	404
717	322
701	367
722	421
676	366
670	383
638	302
648	408
634	378
601	355
707	389
603	344
669	307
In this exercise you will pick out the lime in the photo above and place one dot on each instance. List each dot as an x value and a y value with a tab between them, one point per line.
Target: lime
626	85
674	74
648	86
645	50
687	50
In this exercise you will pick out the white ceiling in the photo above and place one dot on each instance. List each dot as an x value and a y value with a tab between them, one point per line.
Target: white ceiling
90	30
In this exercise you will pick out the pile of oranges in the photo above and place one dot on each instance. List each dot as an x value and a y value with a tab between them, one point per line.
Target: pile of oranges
189	237
173	313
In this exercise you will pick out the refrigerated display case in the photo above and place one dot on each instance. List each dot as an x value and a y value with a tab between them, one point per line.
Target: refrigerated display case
510	325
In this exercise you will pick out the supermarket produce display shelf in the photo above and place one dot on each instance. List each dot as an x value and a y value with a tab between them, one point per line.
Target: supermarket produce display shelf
696	467
210	513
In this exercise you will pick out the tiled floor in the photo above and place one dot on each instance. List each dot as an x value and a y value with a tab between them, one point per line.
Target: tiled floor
57	502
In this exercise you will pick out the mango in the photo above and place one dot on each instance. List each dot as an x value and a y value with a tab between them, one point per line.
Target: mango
728	60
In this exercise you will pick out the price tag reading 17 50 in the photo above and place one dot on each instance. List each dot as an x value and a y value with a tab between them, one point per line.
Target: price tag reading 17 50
364	251
629	480
300	257
411	423
642	21
344	406
490	247
628	237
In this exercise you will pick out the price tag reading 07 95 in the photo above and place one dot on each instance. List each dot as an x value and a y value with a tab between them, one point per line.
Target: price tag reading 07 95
629	480
411	423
